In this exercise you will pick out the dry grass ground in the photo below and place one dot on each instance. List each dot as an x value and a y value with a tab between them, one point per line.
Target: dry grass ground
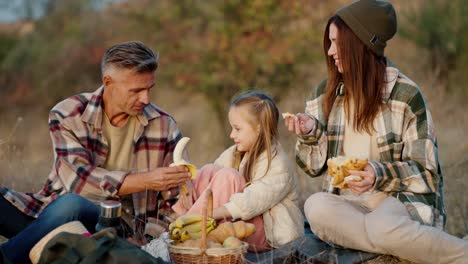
26	153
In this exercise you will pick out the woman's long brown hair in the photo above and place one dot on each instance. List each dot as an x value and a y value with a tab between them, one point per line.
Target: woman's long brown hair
363	76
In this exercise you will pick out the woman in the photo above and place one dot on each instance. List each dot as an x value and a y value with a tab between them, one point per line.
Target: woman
367	108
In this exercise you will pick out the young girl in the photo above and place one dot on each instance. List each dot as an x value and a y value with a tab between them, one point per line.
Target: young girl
252	180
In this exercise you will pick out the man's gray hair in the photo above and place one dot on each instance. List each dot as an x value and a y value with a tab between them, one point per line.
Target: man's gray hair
130	55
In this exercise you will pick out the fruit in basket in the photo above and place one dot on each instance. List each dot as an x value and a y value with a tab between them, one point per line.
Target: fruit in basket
176	234
195	235
196	243
189	227
339	168
232	242
239	229
187	219
185	235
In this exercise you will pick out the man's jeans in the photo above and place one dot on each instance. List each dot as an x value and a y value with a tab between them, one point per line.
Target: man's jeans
24	231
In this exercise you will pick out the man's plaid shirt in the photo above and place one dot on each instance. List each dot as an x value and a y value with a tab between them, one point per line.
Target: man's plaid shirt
80	150
409	166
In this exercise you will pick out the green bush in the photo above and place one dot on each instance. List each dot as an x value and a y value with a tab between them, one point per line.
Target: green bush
439	27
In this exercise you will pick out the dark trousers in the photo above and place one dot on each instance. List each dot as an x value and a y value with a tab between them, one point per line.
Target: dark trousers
24	231
12	220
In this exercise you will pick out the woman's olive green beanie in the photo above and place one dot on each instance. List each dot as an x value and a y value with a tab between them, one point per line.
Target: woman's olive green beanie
374	22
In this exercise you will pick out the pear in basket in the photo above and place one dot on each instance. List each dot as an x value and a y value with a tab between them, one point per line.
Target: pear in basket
239	229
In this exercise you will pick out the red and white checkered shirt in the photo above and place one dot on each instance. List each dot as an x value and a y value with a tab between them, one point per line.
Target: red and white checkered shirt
80	151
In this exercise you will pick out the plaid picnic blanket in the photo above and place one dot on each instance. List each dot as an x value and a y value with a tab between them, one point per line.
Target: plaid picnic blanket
310	249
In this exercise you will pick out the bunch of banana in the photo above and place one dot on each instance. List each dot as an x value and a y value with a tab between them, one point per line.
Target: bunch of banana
189	227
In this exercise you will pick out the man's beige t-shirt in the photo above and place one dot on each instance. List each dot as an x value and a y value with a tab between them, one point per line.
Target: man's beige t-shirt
121	145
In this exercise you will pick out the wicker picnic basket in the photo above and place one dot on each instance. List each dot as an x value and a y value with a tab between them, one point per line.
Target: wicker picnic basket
204	255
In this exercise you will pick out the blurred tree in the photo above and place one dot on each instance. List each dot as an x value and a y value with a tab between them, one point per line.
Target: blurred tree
228	46
216	48
439	26
48	59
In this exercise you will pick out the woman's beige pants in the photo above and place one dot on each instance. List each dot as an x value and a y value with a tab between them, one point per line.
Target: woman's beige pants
386	230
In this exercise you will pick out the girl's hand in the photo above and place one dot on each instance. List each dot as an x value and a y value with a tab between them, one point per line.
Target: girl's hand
368	180
300	124
221	213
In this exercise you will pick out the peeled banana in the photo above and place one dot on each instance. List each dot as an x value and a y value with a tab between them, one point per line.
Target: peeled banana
180	161
178	157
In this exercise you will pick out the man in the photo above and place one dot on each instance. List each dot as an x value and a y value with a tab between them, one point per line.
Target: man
109	143
366	108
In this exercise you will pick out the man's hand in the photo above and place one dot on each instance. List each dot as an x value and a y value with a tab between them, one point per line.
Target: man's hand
300	124
159	179
368	180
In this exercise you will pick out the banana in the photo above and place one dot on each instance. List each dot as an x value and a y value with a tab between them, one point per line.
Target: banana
197	226
185	235
194	227
189	227
178	157
179	149
176	234
210	228
187	220
197	235
171	226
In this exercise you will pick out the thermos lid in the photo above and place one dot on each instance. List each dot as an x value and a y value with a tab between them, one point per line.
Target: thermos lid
111	209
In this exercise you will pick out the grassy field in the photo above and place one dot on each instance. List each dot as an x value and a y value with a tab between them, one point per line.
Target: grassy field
26	154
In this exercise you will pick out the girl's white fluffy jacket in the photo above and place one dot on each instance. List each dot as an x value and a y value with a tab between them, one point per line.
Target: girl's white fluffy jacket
274	194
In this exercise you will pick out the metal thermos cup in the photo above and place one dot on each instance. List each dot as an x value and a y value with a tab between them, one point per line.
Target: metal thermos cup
110	216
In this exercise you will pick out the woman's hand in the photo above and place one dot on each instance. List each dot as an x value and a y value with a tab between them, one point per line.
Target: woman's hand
368	180
300	124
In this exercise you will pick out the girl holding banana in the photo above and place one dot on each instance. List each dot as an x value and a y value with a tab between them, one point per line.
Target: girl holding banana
253	180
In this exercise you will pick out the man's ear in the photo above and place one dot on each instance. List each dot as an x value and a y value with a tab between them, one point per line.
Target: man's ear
107	80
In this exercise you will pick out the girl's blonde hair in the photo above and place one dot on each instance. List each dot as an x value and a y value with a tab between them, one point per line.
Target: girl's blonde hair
263	112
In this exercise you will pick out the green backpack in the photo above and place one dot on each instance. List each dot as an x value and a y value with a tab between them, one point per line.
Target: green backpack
103	247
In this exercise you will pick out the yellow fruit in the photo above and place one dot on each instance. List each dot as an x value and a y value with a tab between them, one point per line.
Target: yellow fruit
232	242
194	227
185	235
187	220
213	244
191	243
239	229
176	233
179	159
195	235
171	226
